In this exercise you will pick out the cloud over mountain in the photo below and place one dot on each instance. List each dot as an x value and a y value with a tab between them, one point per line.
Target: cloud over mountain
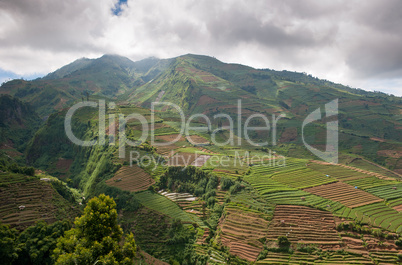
356	43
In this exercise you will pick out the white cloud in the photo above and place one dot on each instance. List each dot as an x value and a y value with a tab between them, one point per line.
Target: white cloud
354	43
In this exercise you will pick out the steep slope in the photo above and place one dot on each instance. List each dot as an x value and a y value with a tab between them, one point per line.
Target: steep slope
370	123
18	123
25	200
109	76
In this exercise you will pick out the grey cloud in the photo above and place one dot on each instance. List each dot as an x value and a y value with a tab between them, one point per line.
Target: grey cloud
357	39
52	25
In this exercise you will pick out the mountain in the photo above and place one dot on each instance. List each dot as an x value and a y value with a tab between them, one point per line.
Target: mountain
370	123
257	205
109	76
18	124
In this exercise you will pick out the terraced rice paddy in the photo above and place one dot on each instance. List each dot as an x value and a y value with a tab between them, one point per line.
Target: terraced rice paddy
131	178
304	225
344	193
240	231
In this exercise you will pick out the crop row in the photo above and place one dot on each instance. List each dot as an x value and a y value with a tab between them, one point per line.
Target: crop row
344	193
379	214
131	179
387	192
165	206
371	182
337	172
303	225
240	231
274	167
396	204
303	178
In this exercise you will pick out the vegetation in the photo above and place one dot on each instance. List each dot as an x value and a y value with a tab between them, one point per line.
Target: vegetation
96	237
288	208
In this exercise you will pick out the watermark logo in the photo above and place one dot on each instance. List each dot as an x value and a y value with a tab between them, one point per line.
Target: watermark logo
330	154
238	128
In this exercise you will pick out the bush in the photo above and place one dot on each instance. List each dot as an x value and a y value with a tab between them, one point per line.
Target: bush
235	188
283	242
226	183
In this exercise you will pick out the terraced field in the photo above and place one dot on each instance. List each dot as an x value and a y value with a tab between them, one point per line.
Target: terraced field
330	258
167	150
182	159
344	193
396	204
303	178
200	160
387	192
186	201
274	167
131	178
338	172
197	140
304	225
279	193
165	206
381	215
38	201
371	182
240	231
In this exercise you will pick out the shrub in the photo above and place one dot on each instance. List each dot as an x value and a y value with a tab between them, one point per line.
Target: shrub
283	242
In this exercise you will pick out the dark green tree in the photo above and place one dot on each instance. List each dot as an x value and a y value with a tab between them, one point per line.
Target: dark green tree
283	242
36	243
8	250
96	237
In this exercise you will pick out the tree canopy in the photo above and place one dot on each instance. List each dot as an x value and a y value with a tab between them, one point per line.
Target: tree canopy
96	238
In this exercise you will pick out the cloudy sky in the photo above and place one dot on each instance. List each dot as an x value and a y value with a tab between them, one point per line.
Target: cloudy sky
356	43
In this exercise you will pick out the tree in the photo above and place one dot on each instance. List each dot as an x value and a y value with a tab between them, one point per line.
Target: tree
36	243
283	242
96	238
8	251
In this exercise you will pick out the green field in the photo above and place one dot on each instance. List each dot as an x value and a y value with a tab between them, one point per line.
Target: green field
165	206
